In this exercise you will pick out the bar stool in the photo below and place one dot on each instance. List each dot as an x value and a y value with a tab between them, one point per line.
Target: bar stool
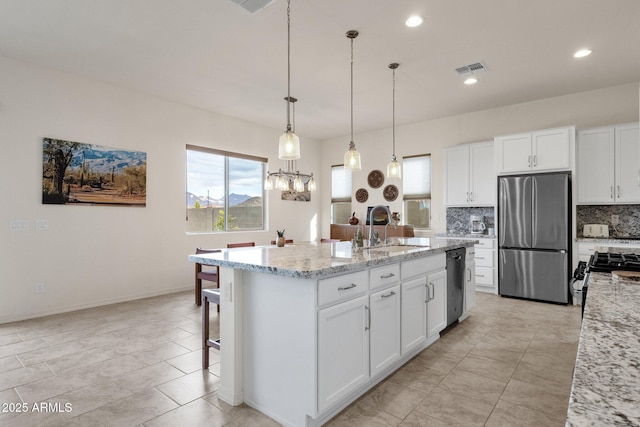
208	296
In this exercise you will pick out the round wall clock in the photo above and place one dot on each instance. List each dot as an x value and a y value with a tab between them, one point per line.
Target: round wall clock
375	178
390	193
362	195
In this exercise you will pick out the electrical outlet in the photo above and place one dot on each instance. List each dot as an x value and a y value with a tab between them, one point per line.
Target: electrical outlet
615	220
39	288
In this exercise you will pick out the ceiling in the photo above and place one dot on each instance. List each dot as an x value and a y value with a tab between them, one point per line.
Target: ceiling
215	55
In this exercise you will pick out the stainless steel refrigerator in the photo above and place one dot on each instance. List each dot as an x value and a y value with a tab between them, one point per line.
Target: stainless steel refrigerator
534	220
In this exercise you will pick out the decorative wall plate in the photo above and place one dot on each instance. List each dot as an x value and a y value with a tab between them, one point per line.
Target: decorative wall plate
376	179
390	193
362	195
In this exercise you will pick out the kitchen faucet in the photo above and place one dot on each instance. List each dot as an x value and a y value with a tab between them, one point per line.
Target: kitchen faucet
372	240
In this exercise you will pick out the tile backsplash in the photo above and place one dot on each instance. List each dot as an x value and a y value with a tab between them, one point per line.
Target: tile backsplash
629	218
458	218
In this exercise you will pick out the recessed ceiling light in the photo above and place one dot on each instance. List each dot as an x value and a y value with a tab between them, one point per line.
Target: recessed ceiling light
471	81
414	21
582	53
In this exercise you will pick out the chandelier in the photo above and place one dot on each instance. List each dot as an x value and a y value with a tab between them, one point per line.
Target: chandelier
289	143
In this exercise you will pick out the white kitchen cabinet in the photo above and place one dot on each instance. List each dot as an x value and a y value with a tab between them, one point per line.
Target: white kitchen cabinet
608	165
414	313
470	177
384	329
437	302
544	150
343	350
469	281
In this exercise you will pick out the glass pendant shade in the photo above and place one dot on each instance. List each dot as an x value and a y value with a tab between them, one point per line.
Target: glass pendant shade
298	185
352	158
289	147
268	183
311	185
394	170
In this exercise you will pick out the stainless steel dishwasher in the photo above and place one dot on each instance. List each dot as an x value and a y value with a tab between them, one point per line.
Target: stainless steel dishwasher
455	284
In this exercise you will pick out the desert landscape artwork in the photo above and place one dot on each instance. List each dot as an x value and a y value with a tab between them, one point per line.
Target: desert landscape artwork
80	173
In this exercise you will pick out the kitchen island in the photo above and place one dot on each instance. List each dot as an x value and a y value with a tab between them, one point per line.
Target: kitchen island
308	328
606	380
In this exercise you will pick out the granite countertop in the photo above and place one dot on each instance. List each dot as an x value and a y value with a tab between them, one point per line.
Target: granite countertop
630	241
606	380
462	235
314	259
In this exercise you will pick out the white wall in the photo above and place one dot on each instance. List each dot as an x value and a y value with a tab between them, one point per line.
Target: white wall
612	105
93	255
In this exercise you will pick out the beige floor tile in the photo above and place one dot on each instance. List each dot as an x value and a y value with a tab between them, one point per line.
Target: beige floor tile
560	360
473	385
437	361
363	414
149	376
193	342
417	377
455	409
83	358
497	341
543	399
506	356
544	376
33	419
130	411
507	414
91	397
231	411
192	361
22	376
417	419
9	363
19	348
198	413
394	399
53	352
10	339
159	353
190	387
488	367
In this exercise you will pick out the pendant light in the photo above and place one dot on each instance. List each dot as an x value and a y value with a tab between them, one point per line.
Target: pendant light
289	146
394	170
352	157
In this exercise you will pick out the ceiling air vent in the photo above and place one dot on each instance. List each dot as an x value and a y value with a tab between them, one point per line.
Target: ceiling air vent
253	6
476	68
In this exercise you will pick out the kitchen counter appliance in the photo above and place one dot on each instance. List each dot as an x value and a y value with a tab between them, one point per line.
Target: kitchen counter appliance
455	284
534	214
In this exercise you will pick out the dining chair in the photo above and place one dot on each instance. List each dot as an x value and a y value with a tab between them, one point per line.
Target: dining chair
209	273
240	245
329	240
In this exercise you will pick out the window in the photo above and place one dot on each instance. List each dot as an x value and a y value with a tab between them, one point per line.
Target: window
340	194
416	184
224	191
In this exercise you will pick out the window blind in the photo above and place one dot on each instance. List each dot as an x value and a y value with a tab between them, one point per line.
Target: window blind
340	184
416	177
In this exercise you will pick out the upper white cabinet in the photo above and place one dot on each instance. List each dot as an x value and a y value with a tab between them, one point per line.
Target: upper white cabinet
470	176
539	151
608	165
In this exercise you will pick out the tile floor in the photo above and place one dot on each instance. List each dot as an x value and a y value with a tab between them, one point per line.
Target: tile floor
138	363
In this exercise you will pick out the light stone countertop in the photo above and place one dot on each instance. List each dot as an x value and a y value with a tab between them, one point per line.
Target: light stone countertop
607	240
464	236
314	259
606	380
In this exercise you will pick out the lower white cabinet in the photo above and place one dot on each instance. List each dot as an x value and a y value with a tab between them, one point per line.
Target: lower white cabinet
437	302
414	313
469	284
384	332
343	350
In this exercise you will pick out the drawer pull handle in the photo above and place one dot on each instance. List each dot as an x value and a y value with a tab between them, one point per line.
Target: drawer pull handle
479	257
387	276
390	294
344	288
479	275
